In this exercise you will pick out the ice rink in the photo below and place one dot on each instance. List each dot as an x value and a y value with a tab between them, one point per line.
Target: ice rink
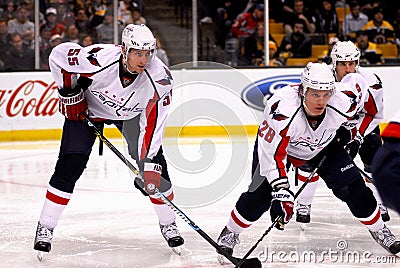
109	223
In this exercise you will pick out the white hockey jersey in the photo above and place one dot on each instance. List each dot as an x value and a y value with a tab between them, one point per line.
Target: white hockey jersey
285	131
108	98
371	113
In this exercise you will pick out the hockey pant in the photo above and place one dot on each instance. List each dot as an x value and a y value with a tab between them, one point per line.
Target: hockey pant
76	145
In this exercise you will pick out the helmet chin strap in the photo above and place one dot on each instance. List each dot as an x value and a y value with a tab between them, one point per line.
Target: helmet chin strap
127	68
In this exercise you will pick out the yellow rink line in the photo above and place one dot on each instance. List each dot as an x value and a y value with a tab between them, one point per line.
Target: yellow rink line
170	132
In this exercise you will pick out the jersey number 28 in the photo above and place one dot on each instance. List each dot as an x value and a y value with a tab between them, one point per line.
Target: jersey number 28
266	132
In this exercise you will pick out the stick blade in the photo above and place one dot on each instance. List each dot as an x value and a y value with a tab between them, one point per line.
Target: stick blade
249	263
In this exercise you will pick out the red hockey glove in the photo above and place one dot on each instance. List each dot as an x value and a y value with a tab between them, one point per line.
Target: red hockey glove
72	107
152	177
72	102
281	206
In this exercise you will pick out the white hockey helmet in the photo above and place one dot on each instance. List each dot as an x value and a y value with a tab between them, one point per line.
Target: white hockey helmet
345	51
138	37
317	76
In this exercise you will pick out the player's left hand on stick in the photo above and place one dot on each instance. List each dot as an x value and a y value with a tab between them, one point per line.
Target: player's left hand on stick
151	177
282	206
353	146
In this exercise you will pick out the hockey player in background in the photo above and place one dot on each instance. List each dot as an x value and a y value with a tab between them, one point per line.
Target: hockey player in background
122	85
345	59
386	165
304	124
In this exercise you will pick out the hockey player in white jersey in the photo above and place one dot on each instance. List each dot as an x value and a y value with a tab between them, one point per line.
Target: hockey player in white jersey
304	124
126	86
345	59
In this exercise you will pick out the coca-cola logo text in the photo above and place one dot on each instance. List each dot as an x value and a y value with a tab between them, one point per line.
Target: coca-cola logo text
33	97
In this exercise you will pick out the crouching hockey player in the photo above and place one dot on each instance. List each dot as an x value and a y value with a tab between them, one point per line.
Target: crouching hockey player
303	125
345	60
122	85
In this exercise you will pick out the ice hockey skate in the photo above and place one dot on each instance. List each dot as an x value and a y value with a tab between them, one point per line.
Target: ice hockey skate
384	212
387	240
43	240
227	240
172	236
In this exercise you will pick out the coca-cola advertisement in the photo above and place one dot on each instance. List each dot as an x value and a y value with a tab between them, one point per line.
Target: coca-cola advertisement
28	102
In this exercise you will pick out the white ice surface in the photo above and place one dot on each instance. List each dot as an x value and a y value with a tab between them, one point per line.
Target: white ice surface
108	223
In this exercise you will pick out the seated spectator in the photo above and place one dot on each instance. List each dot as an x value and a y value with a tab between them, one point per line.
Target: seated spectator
296	12
5	38
71	34
9	12
55	40
83	24
379	30
19	56
326	21
44	44
22	25
326	54
355	20
246	24
161	53
64	15
223	23
253	48
136	17
96	12
105	31
296	44
370	54
51	21
124	10
273	55
87	40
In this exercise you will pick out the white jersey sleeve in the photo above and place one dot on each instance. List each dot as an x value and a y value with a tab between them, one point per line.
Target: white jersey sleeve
372	113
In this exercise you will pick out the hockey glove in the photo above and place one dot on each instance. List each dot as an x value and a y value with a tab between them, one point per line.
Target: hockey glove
72	101
281	206
151	177
353	146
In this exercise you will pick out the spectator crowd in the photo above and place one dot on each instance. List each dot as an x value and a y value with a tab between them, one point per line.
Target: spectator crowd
78	21
296	27
302	25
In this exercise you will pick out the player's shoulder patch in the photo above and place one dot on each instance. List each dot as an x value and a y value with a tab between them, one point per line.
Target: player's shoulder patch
76	59
161	77
284	103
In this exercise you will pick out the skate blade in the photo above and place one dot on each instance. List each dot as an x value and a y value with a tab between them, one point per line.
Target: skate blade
40	255
303	226
177	250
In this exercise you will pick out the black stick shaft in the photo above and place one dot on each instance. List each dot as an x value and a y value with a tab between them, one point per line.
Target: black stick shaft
163	197
278	218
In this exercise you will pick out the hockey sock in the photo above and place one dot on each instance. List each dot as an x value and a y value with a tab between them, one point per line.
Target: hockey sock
237	223
374	222
54	205
164	213
307	195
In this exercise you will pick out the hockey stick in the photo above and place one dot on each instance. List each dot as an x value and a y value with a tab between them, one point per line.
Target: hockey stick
250	263
279	217
363	172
